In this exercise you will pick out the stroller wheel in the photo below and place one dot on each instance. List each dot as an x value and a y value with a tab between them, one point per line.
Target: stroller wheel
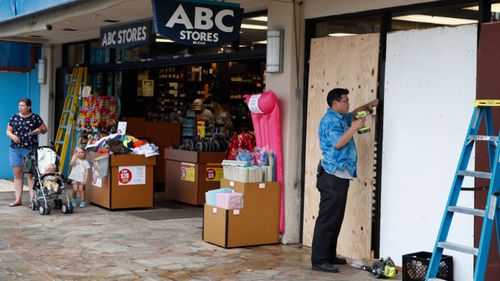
34	205
64	208
70	208
47	210
58	204
41	210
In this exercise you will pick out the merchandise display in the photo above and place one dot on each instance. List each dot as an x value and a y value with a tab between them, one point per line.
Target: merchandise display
266	120
97	118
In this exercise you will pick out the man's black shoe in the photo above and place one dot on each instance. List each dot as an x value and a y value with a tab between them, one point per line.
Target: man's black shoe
337	260
326	267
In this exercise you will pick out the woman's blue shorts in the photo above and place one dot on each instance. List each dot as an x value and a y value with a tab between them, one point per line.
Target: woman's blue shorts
16	156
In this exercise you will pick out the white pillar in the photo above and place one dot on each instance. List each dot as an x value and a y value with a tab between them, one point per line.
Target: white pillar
46	110
281	16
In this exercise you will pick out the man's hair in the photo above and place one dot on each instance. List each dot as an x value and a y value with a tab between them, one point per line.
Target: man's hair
335	95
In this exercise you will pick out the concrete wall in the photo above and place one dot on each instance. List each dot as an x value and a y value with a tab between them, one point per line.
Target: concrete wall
429	95
284	84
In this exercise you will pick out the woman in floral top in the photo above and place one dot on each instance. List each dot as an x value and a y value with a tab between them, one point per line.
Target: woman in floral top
23	130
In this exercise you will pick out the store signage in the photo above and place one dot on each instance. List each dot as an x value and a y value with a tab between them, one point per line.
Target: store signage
125	36
205	23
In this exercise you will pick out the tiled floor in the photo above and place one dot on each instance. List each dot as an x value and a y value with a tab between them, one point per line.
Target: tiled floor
156	244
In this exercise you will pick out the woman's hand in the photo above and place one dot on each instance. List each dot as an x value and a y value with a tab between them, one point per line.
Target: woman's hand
15	138
34	132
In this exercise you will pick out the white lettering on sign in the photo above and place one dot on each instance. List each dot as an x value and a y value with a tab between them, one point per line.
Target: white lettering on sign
124	36
218	20
203	20
179	17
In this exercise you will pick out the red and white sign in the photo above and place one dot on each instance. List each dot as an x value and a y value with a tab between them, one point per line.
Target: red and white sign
131	175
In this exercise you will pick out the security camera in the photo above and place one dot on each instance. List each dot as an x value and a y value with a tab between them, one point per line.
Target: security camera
49	27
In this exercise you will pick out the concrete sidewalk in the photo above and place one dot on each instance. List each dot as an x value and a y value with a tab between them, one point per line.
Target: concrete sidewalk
154	244
7	185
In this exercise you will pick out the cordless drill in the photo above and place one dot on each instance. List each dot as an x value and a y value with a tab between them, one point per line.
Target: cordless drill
363	114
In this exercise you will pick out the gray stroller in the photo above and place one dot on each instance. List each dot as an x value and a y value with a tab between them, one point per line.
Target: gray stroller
46	199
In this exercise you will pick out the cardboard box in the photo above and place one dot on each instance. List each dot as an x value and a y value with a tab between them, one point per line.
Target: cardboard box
128	185
257	223
189	174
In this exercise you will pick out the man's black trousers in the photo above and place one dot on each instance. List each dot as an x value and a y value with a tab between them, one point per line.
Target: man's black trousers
333	191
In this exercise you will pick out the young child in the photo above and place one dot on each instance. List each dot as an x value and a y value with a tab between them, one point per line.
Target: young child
51	182
78	176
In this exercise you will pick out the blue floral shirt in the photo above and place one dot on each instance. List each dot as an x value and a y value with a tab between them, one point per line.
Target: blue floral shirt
22	127
331	128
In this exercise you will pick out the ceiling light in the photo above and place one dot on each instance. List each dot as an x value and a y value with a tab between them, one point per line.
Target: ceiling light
163	40
262	18
253	26
340	34
261	42
435	19
494	8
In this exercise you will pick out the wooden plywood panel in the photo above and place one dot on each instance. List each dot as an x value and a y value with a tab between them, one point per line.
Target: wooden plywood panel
348	62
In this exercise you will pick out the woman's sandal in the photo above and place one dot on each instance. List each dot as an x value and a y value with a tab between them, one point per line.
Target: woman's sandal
14	204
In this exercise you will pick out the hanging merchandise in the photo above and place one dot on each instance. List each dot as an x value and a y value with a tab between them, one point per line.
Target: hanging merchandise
97	118
267	125
245	140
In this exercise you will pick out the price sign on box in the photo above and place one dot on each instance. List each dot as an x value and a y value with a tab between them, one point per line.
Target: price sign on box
213	172
131	175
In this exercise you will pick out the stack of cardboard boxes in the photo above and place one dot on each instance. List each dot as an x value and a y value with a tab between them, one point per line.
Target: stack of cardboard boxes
232	222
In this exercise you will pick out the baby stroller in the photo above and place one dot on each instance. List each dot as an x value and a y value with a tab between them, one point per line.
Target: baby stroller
46	199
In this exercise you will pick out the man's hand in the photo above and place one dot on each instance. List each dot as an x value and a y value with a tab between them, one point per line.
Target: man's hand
358	123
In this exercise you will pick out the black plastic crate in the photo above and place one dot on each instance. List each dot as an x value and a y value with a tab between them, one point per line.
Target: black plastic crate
415	266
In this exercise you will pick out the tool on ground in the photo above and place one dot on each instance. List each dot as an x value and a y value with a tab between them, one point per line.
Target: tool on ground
66	129
491	211
383	268
363	114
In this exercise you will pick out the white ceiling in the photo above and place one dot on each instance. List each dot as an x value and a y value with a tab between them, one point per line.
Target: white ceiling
86	19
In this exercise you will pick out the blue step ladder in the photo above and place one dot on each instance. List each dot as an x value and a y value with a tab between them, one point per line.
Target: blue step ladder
490	213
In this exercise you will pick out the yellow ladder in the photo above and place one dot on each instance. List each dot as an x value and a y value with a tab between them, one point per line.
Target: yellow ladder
66	128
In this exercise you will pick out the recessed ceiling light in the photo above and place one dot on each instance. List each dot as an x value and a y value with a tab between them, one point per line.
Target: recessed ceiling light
253	26
340	34
261	42
163	40
262	18
494	8
435	19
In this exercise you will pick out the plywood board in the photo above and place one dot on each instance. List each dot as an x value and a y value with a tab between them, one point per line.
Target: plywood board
347	62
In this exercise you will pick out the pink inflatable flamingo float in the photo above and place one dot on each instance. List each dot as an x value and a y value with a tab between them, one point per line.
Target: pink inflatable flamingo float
267	126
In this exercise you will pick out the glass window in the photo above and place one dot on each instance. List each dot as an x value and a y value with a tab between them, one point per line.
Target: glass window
348	27
136	54
98	55
76	54
495	11
443	16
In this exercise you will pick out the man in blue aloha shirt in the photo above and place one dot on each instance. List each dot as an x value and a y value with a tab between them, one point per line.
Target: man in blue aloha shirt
338	166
